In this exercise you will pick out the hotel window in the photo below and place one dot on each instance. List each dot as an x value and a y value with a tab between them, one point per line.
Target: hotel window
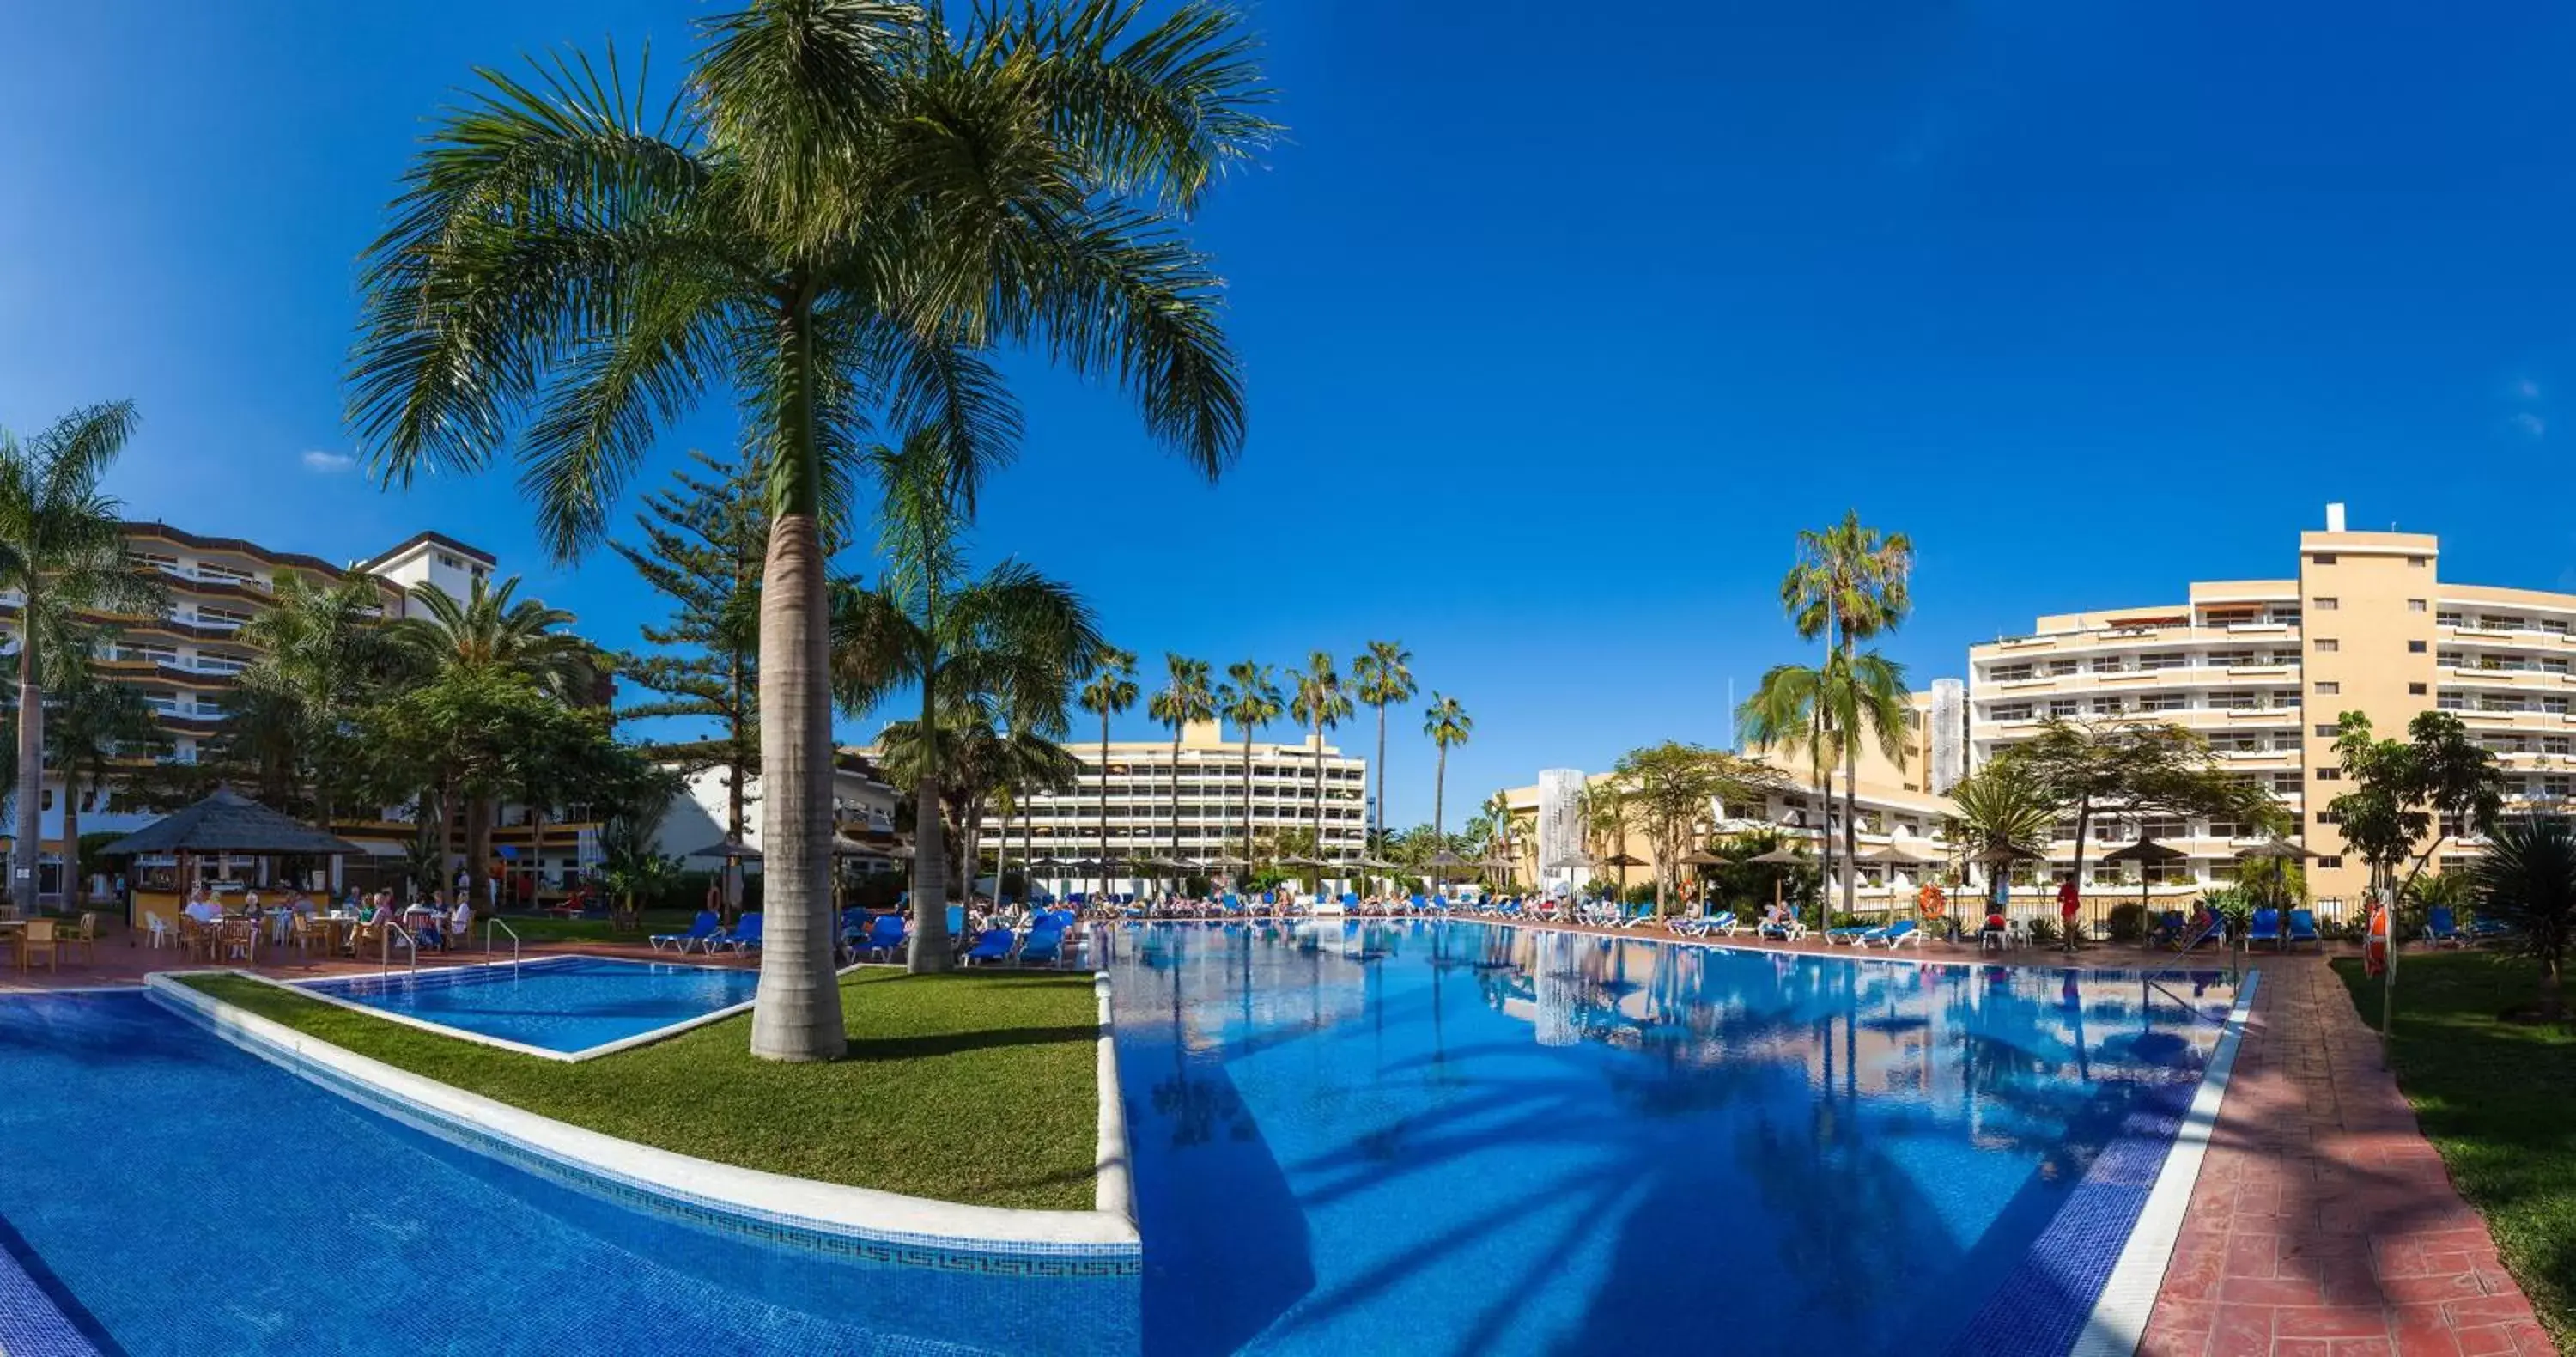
2326	732
2285	698
2414	647
2419	562
2327	645
2329	775
450	562
2226	829
2325	605
2414	605
2163	701
2322	558
2451	702
2501	623
2107	664
2285	782
2446	618
2010	711
2327	817
2106	706
2065	707
2285	617
2329	862
2163	827
2553	744
2009	673
2554	625
2328	688
2494	703
2166	659
2415	690
2554	664
2556	785
2555	706
2058	668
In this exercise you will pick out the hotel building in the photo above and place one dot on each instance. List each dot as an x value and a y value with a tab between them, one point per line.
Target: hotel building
186	663
2265	668
1144	785
1898	802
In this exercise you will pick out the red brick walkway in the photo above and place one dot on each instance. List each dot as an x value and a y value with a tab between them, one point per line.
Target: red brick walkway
2324	1224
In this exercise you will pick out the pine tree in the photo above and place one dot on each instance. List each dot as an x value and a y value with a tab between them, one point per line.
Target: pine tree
703	547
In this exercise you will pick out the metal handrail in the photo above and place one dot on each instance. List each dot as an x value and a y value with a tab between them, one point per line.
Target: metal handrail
492	921
386	962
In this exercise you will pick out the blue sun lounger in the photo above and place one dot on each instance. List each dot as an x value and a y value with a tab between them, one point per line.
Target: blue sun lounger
886	933
701	932
2442	926
1044	946
2266	927
2303	928
744	937
995	945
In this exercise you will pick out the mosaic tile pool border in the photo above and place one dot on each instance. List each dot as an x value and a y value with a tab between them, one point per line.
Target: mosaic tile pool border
2077	1289
1114	1251
36	1318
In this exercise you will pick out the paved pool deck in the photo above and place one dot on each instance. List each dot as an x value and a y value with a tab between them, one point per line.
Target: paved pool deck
2323	1223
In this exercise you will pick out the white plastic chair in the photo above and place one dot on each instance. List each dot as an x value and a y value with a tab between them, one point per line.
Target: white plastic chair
162	932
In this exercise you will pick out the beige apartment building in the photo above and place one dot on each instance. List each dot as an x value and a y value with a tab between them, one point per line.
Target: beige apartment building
2265	669
1898	802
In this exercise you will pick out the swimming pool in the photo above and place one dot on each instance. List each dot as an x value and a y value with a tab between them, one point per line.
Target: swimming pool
560	1005
1463	1138
175	1195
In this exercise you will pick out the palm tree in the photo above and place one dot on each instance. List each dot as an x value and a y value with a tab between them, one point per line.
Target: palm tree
846	210
1319	704
1385	679
96	724
1006	648
1026	763
1849	584
1826	712
1112	691
324	649
62	552
2526	880
2000	803
1250	699
1446	723
1185	699
490	631
1498	814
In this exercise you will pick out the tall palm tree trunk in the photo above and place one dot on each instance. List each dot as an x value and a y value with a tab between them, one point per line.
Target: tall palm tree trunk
1319	805
1377	808
1851	829
1439	802
74	892
797	1015
29	849
1104	801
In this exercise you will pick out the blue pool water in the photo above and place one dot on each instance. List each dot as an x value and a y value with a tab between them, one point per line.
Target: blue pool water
1461	1138
179	1196
563	1004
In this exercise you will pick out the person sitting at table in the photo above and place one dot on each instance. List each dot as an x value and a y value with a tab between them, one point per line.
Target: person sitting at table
201	907
460	923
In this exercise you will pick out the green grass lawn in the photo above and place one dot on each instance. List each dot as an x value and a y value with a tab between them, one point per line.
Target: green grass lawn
2498	1100
969	1088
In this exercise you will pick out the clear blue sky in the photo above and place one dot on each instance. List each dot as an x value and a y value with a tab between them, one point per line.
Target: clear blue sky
1558	327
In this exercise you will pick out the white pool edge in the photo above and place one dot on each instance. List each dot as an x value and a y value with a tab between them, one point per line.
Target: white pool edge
830	1208
2118	1323
662	1033
1113	1181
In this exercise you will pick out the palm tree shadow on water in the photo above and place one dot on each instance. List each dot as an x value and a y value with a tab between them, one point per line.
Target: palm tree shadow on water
1697	1129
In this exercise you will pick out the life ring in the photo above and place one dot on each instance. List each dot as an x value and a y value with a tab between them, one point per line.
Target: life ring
1931	902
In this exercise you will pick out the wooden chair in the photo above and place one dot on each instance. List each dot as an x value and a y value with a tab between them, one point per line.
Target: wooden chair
85	937
237	940
313	933
37	936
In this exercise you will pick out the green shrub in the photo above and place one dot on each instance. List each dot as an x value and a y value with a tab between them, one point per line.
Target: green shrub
2127	923
2043	930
